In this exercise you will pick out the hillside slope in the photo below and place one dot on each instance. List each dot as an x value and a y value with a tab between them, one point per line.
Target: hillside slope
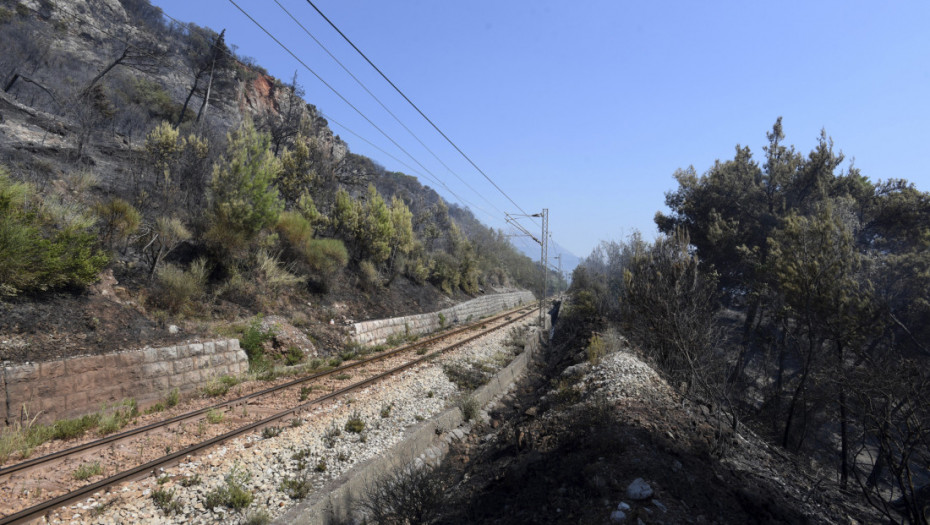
153	178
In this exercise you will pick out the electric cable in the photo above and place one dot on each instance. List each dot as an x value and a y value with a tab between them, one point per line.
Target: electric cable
415	107
378	100
343	98
429	175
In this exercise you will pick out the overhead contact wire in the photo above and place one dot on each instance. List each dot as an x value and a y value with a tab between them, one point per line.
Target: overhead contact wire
401	93
343	98
378	100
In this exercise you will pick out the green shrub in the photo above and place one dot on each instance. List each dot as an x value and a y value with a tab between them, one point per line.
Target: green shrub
297	487
22	439
355	424
369	277
445	272
305	392
117	221
214	416
5	15
44	243
114	418
232	494
72	428
294	356
164	500
178	290
254	337
87	471
173	398
295	229
219	386
596	349
155	99
326	258
243	198
190	481
270	432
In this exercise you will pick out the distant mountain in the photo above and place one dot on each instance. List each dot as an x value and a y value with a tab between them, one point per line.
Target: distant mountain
531	249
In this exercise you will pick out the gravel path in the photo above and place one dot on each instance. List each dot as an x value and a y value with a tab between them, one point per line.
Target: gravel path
315	450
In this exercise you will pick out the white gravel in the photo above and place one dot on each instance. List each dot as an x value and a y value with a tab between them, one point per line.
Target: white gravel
412	396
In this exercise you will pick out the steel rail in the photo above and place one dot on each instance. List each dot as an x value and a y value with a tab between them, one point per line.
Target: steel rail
36	511
35	462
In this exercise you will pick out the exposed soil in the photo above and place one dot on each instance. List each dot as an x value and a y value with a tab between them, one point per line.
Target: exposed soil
546	460
114	315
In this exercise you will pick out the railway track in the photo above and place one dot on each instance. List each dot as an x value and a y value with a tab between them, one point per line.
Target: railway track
133	454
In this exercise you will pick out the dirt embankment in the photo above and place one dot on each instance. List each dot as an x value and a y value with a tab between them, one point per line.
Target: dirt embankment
587	443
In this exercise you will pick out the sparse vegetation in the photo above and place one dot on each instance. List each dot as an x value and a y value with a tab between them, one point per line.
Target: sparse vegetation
191	481
408	495
232	493
220	385
305	392
112	419
294	356
355	423
596	349
257	517
174	396
87	471
297	487
469	407
44	243
468	375
270	432
214	416
164	500
252	339
329	437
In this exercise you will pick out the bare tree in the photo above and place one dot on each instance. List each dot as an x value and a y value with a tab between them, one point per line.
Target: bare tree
202	56
286	123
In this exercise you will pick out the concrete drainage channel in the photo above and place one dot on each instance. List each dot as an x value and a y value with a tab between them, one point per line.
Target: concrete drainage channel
427	442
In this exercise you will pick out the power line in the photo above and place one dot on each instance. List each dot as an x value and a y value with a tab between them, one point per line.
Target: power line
344	99
378	100
429	175
412	170
359	51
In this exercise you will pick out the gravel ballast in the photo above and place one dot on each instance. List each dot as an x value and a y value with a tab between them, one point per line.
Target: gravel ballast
318	451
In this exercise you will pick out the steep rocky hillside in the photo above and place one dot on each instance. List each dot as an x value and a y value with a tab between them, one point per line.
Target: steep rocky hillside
155	185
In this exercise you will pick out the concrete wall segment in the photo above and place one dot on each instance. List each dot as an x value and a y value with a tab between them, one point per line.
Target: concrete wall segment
79	385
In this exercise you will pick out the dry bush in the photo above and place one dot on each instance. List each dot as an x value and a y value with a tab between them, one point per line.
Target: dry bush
409	495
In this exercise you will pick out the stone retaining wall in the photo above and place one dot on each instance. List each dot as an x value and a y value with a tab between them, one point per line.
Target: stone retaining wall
81	385
428	442
377	331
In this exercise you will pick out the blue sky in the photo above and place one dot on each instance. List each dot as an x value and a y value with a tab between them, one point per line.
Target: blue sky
588	107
